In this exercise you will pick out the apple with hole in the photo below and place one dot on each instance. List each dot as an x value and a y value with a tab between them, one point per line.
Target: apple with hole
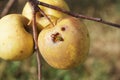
64	45
52	14
16	42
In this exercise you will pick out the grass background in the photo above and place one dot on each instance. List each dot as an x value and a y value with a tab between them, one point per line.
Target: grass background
103	62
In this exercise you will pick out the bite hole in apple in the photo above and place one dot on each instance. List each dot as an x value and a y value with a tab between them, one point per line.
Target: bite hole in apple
56	37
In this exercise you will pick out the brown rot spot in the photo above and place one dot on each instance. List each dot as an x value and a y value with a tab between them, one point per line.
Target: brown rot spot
63	28
21	51
57	37
87	35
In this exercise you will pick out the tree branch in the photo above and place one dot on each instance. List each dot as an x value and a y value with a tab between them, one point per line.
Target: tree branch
7	7
35	36
35	9
78	15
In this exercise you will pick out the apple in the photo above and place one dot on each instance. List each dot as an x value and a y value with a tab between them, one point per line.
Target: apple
65	45
16	42
43	21
53	14
59	3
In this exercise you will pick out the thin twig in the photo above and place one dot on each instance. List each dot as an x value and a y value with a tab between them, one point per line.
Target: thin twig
78	15
35	36
39	65
43	13
7	7
35	32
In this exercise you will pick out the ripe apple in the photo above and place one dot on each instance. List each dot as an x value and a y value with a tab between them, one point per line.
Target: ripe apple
43	21
59	3
53	14
65	45
16	43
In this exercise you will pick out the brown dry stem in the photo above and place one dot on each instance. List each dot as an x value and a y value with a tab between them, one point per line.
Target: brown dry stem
35	9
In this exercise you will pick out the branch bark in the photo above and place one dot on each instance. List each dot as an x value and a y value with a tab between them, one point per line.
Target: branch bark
35	9
78	15
35	36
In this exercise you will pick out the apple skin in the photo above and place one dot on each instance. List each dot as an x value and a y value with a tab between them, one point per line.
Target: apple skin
15	42
43	21
53	14
65	45
59	3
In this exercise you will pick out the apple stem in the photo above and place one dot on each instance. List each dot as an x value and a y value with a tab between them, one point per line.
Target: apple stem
78	15
43	13
35	9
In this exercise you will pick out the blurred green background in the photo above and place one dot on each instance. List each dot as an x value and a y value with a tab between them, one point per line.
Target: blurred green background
103	62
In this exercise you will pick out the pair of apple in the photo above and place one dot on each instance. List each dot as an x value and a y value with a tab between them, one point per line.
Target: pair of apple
63	46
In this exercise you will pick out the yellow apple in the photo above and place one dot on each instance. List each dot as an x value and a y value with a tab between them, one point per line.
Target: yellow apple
43	21
59	3
16	43
53	14
65	45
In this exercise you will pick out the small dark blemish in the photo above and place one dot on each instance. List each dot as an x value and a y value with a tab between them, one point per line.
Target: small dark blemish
87	35
21	51
63	28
